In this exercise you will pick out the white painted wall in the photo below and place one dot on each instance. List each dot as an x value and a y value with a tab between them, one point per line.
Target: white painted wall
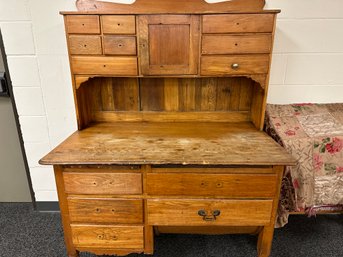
307	67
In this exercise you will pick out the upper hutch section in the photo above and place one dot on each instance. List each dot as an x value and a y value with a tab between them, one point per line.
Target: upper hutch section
186	60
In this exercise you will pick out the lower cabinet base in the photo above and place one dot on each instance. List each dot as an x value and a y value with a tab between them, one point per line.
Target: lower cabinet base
264	234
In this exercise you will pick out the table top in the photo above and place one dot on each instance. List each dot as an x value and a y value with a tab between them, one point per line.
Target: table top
179	143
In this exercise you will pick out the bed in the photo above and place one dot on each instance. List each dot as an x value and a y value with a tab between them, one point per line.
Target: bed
313	134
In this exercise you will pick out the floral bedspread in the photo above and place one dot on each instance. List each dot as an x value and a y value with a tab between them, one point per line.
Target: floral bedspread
313	134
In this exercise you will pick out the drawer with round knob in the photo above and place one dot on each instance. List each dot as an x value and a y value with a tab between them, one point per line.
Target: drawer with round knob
108	65
212	185
104	210
109	237
85	45
177	212
118	24
236	44
120	45
234	64
83	24
102	183
237	23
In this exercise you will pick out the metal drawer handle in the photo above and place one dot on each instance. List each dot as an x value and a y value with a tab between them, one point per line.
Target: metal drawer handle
211	217
235	66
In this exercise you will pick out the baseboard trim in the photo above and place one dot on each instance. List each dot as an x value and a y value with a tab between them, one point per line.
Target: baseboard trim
47	206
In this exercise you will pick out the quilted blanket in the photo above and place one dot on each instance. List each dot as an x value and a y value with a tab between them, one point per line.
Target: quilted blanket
313	134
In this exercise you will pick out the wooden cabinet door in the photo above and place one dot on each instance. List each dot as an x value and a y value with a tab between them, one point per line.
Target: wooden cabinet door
168	44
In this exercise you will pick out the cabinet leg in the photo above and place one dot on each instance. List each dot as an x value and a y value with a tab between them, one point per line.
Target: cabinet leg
149	240
264	243
73	253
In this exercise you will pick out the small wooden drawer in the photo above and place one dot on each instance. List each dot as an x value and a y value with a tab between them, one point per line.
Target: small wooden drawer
102	183
109	237
120	45
236	44
118	24
83	24
85	45
119	66
234	64
236	23
209	212
219	185
119	211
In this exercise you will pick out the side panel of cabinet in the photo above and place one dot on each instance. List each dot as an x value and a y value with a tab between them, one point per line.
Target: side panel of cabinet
168	44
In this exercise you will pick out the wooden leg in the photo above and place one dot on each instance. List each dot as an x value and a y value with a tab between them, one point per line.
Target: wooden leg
149	240
264	243
73	254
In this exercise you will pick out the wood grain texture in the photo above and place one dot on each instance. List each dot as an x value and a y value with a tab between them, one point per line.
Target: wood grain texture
118	24
207	230
265	236
169	143
108	236
203	95
100	210
114	66
120	45
225	185
222	65
152	116
85	45
237	23
232	212
171	6
63	203
83	24
236	44
102	183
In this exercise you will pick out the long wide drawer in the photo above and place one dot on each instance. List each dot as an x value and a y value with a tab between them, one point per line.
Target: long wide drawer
119	237
209	212
119	66
235	64
102	183
236	44
236	23
119	211
229	185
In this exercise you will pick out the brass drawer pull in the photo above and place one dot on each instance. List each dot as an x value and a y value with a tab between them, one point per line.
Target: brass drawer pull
207	217
235	66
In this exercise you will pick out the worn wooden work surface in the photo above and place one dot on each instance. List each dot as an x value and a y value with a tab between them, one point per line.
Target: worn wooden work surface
169	143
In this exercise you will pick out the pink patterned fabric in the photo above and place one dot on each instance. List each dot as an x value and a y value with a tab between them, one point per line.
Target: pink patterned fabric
313	134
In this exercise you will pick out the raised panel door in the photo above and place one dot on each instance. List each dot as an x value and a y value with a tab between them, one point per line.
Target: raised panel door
169	44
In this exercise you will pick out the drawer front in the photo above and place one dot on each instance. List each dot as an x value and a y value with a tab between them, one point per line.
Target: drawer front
118	24
120	45
209	212
120	237
120	66
84	24
234	64
105	210
85	45
236	44
236	23
102	183
228	185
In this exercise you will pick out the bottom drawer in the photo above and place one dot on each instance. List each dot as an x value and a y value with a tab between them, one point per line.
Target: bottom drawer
209	212
117	237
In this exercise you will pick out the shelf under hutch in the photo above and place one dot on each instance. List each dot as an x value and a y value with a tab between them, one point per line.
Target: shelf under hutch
170	99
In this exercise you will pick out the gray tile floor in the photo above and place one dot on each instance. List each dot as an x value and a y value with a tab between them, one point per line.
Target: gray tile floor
26	233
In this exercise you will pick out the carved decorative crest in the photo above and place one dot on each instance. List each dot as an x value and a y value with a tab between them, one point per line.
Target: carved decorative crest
170	6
